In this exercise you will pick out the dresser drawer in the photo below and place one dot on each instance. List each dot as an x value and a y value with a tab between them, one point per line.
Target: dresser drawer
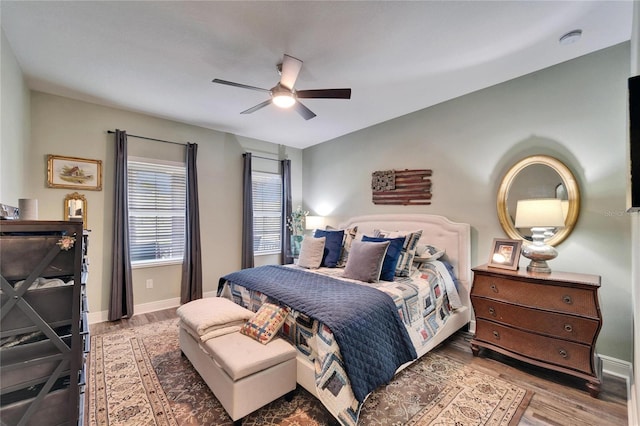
546	349
577	329
544	296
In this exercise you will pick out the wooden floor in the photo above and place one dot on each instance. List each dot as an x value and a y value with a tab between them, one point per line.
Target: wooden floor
558	400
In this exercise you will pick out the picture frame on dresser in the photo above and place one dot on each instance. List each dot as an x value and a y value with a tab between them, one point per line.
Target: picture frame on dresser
505	253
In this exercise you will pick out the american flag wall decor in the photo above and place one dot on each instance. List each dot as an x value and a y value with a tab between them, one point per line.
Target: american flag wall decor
404	187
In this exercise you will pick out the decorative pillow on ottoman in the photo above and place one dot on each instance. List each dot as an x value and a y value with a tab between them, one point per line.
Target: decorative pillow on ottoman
264	325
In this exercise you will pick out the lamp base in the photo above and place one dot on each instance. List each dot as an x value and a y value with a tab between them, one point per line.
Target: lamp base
539	266
539	252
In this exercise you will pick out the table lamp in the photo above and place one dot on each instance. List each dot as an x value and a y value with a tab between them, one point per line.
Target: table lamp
539	214
314	222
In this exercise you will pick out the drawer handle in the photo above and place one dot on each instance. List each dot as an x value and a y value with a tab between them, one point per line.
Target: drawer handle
492	311
494	288
568	328
567	299
563	353
496	334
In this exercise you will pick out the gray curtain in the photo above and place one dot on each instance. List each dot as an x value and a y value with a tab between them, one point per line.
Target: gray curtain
191	288
285	253
121	302
247	213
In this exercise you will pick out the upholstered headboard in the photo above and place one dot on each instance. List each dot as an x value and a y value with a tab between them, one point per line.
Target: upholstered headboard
438	231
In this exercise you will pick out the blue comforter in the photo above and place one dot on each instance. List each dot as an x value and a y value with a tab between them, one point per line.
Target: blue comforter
372	338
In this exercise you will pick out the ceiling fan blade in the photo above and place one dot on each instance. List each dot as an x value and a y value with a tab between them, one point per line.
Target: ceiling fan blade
257	107
305	112
243	86
290	70
324	94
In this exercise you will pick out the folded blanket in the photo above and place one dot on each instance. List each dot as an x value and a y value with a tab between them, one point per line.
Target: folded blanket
220	332
206	315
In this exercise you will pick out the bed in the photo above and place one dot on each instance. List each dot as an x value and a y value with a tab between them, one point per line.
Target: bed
339	364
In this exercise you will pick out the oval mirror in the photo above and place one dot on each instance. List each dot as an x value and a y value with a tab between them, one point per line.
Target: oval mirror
75	208
538	176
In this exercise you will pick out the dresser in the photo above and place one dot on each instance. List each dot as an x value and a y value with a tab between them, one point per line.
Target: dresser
548	320
43	322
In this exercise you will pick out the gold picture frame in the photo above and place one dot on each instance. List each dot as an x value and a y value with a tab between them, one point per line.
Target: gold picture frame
75	208
74	173
505	253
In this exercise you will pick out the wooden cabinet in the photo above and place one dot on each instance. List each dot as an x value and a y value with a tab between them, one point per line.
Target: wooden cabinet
43	328
549	320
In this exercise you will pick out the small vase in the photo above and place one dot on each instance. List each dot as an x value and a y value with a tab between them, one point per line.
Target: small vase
296	242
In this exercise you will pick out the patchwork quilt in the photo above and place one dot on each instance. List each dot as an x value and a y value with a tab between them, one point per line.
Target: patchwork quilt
421	305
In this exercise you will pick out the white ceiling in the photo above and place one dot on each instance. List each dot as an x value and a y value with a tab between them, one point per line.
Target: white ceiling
159	57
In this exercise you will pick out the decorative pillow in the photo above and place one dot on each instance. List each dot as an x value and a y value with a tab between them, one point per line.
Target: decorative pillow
365	261
332	246
264	325
427	252
391	257
311	252
349	236
403	269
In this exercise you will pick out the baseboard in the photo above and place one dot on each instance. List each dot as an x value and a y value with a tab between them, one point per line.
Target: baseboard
619	368
624	370
143	308
632	405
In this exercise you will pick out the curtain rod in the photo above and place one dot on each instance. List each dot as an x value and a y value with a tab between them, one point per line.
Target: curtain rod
150	139
262	158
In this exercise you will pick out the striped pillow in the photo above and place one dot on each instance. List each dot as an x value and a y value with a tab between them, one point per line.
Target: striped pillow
411	238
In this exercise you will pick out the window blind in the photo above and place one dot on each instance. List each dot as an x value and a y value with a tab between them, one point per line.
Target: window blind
157	205
267	212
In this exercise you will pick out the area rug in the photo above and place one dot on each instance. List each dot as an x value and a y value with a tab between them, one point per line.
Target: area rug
137	376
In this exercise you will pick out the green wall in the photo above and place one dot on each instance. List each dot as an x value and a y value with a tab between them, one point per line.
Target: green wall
575	111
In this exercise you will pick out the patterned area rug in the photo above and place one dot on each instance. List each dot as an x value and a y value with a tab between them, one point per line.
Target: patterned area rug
138	377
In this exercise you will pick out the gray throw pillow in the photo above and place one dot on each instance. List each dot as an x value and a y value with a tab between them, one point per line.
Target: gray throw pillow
311	252
365	260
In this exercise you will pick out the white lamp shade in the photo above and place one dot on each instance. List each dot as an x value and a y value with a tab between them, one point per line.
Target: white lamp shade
314	222
565	209
539	212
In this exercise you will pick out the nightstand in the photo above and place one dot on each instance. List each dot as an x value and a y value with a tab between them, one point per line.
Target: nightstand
549	320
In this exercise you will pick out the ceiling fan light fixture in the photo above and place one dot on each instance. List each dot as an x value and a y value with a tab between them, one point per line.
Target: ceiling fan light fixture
283	95
283	100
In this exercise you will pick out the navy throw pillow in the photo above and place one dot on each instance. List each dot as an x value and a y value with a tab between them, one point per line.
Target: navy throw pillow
332	246
391	258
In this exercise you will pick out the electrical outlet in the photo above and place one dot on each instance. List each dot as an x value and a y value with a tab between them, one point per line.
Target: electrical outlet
149	283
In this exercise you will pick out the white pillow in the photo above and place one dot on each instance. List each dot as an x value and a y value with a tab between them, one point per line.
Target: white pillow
311	252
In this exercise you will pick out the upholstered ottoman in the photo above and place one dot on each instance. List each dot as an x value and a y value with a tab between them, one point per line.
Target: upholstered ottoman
242	373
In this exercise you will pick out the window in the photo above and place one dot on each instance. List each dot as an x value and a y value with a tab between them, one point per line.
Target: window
267	212
157	205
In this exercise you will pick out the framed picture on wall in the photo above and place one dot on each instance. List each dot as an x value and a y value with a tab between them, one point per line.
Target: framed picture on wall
505	253
73	172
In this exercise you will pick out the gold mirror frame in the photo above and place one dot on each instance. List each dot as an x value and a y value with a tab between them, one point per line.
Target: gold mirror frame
573	196
70	207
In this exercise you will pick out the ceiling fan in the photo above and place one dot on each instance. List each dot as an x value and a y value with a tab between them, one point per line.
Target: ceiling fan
283	93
